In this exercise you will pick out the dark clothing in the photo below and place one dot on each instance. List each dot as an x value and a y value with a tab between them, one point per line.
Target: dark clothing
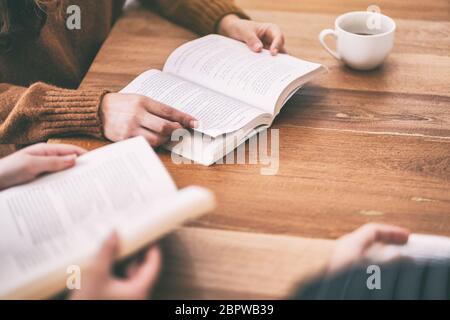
403	280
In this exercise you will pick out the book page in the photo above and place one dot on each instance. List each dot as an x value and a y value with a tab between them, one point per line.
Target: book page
229	66
62	217
217	114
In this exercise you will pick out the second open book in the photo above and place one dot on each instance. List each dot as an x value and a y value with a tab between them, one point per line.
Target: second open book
60	221
232	91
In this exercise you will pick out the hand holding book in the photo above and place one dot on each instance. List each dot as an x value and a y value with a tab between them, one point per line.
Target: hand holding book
131	115
62	219
126	116
100	282
226	87
381	243
29	163
256	35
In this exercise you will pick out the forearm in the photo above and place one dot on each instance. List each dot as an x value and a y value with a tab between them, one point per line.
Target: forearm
33	114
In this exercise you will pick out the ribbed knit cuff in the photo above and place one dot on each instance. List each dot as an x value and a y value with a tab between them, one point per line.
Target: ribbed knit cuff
61	111
205	19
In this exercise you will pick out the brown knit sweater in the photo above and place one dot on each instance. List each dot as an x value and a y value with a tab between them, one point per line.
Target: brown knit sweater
38	80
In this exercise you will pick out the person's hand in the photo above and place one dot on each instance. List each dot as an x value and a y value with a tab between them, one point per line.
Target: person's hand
27	164
130	115
256	35
99	283
353	247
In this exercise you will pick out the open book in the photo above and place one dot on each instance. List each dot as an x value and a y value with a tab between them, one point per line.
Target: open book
62	219
232	91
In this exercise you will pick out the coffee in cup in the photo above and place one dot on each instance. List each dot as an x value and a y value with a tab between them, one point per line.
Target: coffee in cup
363	39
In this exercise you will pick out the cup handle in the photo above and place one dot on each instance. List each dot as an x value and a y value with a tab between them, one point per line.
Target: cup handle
322	37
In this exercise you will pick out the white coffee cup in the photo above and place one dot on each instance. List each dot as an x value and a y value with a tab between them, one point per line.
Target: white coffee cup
363	39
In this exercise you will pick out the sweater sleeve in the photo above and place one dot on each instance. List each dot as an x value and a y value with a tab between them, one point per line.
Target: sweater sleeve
201	16
33	114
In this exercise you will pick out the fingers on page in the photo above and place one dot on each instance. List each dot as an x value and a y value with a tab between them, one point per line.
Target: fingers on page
42	164
253	42
153	138
159	125
372	233
46	149
169	113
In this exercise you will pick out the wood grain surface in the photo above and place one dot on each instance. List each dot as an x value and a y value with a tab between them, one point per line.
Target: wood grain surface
201	263
355	147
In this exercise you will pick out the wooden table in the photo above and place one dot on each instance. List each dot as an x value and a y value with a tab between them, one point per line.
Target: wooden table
355	147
